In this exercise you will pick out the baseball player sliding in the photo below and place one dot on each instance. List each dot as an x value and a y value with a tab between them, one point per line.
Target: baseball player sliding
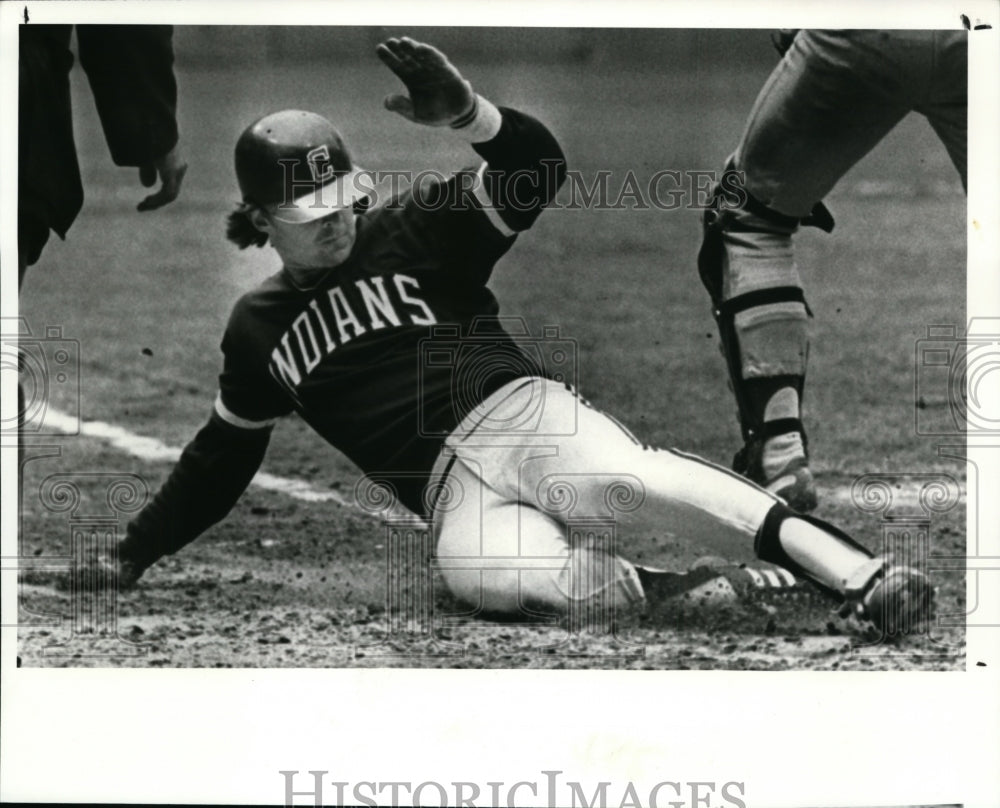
831	99
495	454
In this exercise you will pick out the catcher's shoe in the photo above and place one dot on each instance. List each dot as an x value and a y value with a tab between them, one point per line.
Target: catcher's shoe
793	482
896	599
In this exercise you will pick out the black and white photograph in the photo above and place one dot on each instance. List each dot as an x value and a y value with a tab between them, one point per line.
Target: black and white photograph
394	349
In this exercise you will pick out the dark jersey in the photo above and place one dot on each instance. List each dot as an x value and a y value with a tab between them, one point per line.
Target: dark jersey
392	348
387	352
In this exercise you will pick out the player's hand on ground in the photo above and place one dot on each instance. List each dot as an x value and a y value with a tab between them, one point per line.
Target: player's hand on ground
438	95
171	169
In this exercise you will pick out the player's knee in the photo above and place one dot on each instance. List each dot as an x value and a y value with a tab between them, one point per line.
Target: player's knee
507	593
589	581
486	591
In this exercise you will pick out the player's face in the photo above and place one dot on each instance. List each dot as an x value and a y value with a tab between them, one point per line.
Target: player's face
321	243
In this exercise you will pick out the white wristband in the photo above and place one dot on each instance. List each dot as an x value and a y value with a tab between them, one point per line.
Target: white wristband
485	123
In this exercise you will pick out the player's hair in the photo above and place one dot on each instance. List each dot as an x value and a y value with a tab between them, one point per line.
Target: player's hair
241	231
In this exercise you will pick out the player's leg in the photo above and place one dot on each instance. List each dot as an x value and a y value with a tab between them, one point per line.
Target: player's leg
581	467
505	558
502	557
817	115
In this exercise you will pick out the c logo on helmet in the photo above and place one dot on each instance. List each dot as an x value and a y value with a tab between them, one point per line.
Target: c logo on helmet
319	163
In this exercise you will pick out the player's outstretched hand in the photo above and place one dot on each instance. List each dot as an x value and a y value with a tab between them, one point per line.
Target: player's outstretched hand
171	169
438	95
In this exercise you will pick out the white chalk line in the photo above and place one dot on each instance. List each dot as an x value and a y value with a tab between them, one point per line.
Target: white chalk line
906	494
154	450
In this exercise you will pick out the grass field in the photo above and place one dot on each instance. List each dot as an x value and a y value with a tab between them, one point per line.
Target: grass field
287	582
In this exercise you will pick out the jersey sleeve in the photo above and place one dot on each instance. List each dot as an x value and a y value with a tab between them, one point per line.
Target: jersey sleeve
524	169
249	397
220	461
213	472
472	218
131	74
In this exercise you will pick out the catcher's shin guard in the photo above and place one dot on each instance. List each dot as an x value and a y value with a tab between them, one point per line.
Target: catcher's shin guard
746	264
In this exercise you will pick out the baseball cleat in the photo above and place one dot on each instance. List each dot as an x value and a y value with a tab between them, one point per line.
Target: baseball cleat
762	583
713	581
698	587
896	599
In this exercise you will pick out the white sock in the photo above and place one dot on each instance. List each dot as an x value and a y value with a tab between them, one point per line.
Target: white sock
828	558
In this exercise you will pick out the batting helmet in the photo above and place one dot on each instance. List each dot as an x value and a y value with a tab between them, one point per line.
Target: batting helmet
298	161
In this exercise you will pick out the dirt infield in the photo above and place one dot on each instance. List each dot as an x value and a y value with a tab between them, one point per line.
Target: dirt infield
267	616
273	587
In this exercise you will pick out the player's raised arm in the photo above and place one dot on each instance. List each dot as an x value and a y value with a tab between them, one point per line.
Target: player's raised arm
525	165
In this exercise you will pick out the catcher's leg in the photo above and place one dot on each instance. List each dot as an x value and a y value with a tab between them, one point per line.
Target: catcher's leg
748	266
826	104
